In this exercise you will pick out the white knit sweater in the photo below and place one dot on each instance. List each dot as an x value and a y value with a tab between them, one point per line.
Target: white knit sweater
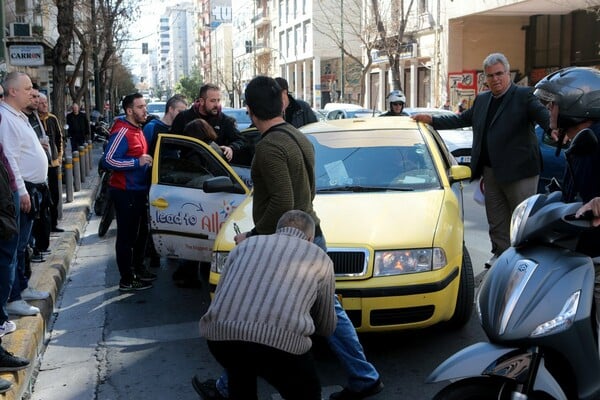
275	290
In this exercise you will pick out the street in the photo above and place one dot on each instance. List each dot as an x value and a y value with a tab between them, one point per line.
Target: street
109	345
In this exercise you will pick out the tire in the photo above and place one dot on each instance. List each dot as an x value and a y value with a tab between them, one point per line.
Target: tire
107	218
466	293
480	388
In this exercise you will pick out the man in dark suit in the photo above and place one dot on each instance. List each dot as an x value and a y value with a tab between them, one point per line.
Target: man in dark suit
505	149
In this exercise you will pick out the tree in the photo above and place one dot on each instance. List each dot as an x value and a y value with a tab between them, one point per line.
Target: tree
391	34
60	56
189	86
349	34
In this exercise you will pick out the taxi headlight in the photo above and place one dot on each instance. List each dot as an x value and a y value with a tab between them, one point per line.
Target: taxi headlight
218	261
398	262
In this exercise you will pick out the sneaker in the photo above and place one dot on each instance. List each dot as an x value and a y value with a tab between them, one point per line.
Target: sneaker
348	394
4	385
7	327
37	258
134	285
207	389
145	276
10	362
32	294
20	307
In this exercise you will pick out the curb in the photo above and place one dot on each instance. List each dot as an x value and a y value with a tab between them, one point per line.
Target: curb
29	340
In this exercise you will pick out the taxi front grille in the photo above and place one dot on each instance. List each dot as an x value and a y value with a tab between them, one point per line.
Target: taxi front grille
349	262
401	316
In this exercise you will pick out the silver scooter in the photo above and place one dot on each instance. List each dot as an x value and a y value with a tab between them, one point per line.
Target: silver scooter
536	307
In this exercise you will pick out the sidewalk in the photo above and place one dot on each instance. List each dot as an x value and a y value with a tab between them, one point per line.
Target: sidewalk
29	339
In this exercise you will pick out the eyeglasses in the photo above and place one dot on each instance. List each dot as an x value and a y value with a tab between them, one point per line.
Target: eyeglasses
397	103
495	74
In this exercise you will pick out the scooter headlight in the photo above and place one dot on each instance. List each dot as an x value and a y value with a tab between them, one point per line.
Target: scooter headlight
519	219
562	321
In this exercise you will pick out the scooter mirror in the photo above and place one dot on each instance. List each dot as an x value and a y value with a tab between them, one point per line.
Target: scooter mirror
584	143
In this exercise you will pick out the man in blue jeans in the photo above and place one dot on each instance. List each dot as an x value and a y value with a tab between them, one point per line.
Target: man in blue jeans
284	179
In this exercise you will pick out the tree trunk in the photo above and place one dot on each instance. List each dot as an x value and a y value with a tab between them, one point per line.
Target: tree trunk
60	56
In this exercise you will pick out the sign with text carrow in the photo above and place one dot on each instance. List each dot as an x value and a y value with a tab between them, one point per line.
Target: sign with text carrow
26	55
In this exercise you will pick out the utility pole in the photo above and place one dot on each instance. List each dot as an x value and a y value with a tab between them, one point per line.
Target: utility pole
97	94
342	49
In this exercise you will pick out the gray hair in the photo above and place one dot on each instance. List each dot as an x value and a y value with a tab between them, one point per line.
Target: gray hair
11	80
496	58
299	220
43	96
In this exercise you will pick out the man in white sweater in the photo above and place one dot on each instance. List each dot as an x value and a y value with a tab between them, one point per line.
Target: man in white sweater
274	293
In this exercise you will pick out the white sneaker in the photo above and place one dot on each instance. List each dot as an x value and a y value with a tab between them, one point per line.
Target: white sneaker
7	327
32	294
20	307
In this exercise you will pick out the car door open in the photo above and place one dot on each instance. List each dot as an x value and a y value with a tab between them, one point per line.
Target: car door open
184	219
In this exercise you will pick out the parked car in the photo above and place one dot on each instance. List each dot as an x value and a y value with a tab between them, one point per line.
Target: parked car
552	166
240	115
389	196
156	108
357	113
459	141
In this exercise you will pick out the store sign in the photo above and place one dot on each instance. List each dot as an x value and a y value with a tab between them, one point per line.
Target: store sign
27	56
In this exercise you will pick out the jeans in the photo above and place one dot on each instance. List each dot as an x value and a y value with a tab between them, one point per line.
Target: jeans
21	281
8	264
346	346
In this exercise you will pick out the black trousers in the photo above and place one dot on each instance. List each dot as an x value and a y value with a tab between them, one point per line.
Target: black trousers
294	376
130	208
53	186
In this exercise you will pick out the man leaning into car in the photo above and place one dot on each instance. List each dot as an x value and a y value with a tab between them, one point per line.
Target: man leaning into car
505	148
284	179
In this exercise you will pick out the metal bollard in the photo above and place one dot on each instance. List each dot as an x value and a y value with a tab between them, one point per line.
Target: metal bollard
59	206
90	156
69	178
76	172
82	163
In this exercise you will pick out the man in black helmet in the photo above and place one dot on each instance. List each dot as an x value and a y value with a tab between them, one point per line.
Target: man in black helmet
573	97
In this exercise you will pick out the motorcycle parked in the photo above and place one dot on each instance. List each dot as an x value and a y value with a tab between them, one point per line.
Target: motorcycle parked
536	307
103	205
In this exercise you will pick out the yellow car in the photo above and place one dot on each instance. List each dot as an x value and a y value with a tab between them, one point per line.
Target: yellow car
389	196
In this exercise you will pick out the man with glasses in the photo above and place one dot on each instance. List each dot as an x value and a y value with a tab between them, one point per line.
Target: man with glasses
505	149
396	100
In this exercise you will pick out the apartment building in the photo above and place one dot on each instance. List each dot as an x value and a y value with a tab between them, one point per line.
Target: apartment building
447	40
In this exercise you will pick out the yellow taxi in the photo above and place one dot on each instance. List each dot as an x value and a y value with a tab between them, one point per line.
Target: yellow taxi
389	197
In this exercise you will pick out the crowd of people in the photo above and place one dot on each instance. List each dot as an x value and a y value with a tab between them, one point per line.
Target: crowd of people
248	337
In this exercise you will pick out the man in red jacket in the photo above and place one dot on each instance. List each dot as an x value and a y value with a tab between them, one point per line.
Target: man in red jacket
127	156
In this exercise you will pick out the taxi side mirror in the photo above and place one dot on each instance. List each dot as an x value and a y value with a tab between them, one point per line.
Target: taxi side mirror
459	173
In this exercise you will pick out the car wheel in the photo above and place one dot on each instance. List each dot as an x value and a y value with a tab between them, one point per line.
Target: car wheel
464	299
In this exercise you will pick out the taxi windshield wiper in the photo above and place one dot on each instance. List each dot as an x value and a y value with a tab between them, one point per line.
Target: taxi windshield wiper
360	188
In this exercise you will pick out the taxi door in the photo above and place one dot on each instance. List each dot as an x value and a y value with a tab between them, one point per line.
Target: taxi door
184	219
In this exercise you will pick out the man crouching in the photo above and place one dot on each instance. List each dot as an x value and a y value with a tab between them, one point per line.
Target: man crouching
275	291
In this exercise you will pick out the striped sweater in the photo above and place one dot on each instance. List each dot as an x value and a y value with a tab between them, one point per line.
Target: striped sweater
275	290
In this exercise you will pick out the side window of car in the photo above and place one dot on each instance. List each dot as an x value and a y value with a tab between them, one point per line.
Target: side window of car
446	156
184	163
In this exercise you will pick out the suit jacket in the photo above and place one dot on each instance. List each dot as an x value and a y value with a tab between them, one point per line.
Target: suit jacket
512	145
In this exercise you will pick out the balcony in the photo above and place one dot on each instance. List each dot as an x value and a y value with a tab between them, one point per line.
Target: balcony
261	18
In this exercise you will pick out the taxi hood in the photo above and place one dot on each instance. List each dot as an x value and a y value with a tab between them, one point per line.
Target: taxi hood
383	220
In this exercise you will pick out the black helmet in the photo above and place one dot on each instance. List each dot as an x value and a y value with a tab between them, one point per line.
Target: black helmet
576	91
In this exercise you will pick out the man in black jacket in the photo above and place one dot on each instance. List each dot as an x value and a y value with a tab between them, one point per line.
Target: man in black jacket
295	111
505	148
78	127
208	107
